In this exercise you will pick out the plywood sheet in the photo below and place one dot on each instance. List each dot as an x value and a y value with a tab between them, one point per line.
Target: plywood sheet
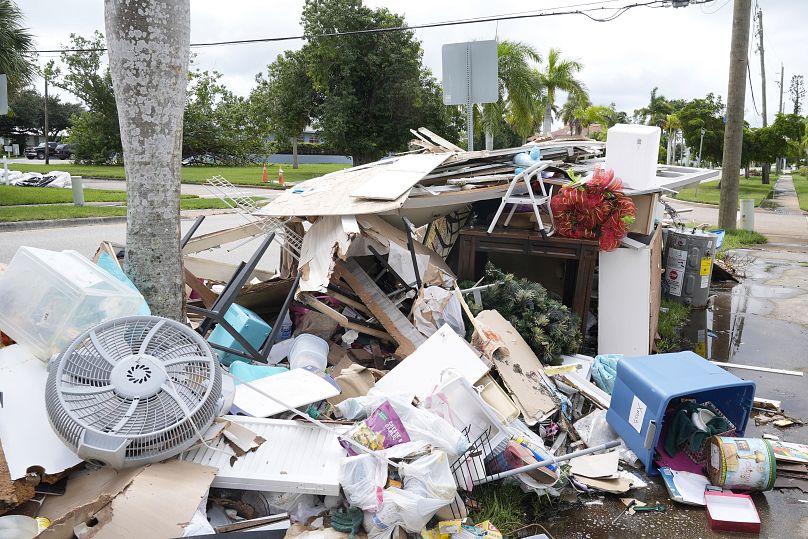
520	369
390	181
332	194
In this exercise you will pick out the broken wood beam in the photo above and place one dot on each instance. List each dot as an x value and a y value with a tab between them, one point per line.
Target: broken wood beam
340	318
400	329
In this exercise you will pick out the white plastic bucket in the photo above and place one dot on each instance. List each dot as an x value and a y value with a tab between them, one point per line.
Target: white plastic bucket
308	350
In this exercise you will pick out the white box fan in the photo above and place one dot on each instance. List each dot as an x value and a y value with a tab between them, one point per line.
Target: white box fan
134	390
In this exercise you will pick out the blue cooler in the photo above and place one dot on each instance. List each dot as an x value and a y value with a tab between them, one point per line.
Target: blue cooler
645	386
249	325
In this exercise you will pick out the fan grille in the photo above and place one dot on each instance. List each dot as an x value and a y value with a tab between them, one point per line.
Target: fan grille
167	374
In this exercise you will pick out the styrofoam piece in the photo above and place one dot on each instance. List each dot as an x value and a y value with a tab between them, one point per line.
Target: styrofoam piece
420	372
296	457
294	388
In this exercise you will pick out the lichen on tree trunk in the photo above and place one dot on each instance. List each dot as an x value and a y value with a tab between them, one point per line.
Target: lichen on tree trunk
148	43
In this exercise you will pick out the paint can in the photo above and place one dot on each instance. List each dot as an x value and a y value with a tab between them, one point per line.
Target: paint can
741	463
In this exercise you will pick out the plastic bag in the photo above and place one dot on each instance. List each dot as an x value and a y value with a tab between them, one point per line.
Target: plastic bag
428	486
382	429
604	370
300	507
594	430
362	479
421	425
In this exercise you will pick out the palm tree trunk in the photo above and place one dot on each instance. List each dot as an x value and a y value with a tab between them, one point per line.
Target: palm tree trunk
489	139
148	44
294	153
668	152
548	120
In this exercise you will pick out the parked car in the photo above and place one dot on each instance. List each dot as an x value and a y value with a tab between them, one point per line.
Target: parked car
64	151
38	152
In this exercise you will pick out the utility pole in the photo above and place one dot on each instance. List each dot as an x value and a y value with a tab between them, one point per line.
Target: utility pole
782	72
733	132
766	167
47	147
762	66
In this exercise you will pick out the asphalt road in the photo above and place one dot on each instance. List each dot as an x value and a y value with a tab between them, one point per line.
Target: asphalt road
85	239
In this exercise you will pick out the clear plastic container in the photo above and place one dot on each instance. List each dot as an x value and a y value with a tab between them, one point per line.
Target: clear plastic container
49	298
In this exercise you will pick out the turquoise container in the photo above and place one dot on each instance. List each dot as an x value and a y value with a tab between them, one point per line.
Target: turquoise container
249	325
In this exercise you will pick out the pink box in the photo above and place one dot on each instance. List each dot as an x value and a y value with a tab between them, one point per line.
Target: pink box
732	512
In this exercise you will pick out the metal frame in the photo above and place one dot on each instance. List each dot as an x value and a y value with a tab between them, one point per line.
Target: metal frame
514	200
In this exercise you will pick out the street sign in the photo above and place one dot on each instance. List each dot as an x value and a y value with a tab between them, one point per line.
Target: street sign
470	72
3	95
470	75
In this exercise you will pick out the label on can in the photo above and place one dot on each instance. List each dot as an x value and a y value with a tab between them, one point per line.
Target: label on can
675	279
677	258
705	282
706	266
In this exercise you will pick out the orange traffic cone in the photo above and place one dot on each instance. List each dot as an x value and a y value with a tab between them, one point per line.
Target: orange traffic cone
264	175
281	180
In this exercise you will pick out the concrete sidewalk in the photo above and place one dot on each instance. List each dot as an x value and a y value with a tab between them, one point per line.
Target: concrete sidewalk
786	225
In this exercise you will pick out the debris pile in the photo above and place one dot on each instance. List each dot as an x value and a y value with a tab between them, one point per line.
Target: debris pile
359	390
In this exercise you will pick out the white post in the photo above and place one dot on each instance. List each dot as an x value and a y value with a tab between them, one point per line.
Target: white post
747	214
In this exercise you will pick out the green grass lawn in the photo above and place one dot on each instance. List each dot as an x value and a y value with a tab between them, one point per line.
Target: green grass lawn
801	186
42	203
740	239
709	192
250	175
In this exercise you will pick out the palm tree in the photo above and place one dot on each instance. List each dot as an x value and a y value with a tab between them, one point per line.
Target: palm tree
569	112
673	124
657	110
594	114
558	74
148	76
518	92
16	46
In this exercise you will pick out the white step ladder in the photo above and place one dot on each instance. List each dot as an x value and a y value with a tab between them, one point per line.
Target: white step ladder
530	198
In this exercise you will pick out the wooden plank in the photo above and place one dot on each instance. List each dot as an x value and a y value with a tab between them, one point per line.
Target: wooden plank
218	271
390	181
519	369
655	286
340	318
208	296
221	237
440	140
385	311
587	388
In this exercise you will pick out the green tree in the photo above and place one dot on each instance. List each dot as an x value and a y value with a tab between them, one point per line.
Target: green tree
16	47
519	92
369	83
797	92
766	144
558	74
707	113
95	134
27	114
284	102
594	114
615	116
218	123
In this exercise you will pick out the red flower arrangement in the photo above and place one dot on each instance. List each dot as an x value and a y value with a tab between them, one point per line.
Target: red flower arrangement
596	209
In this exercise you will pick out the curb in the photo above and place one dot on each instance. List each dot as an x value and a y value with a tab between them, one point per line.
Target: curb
59	223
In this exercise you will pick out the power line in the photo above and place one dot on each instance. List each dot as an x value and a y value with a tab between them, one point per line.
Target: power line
617	12
751	87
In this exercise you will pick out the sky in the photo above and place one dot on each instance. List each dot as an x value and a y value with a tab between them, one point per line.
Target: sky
683	51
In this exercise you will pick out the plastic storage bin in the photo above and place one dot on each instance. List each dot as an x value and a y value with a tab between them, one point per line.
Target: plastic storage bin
49	298
632	152
645	386
249	325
